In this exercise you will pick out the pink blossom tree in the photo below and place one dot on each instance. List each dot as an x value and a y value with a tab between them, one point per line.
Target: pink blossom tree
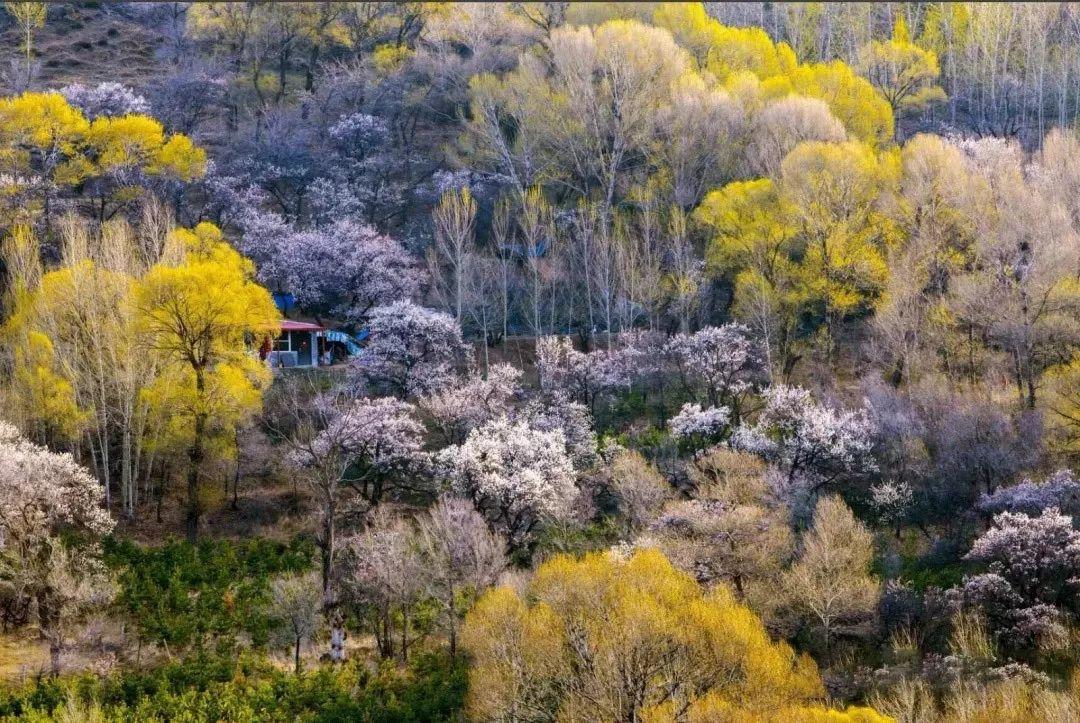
461	557
1029	587
412	350
457	410
349	268
1060	490
349	453
723	362
382	578
580	375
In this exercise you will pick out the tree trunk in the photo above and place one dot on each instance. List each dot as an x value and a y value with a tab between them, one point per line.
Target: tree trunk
327	544
195	460
49	621
337	639
236	473
452	610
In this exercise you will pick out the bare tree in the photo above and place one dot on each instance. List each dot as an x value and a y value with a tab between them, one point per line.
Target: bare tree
461	557
383	578
831	582
448	259
295	607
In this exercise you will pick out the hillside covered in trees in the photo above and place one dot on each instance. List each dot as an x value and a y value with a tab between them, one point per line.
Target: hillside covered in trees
540	362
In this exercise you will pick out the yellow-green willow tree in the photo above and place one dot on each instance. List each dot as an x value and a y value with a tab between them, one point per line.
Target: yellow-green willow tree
807	249
86	351
50	148
201	317
603	638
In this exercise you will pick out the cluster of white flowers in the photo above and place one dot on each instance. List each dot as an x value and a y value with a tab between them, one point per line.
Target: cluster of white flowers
44	496
459	409
105	99
725	361
349	266
43	492
380	432
693	421
582	375
811	442
1060	490
358	129
891	499
640	353
516	475
1032	567
552	412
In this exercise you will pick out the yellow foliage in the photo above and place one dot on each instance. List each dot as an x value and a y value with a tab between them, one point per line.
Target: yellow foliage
1063	401
862	110
389	57
48	410
945	26
811	244
608	79
726	52
604	639
836	193
42	135
201	316
715	709
902	71
232	394
22	261
202	311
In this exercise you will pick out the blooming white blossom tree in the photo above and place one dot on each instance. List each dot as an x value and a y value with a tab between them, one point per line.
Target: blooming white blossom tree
699	426
516	476
891	500
412	350
348	267
641	354
457	410
582	376
724	362
1060	490
557	412
105	99
51	523
813	444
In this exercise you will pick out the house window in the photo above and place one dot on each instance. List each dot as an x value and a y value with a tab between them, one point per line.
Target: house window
282	343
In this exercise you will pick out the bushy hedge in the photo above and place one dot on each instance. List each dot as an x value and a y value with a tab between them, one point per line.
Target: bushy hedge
213	687
195	596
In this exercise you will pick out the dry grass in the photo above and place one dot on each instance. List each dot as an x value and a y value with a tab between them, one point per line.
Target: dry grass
87	44
22	655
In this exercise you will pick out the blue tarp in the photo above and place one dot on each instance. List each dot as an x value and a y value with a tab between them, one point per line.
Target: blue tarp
284	301
352	343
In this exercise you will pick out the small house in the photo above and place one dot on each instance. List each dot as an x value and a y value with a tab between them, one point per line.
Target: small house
299	344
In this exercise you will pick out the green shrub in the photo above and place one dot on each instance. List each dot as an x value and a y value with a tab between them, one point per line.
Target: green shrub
210	687
187	596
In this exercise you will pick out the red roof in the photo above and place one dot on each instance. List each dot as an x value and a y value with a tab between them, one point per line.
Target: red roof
289	325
